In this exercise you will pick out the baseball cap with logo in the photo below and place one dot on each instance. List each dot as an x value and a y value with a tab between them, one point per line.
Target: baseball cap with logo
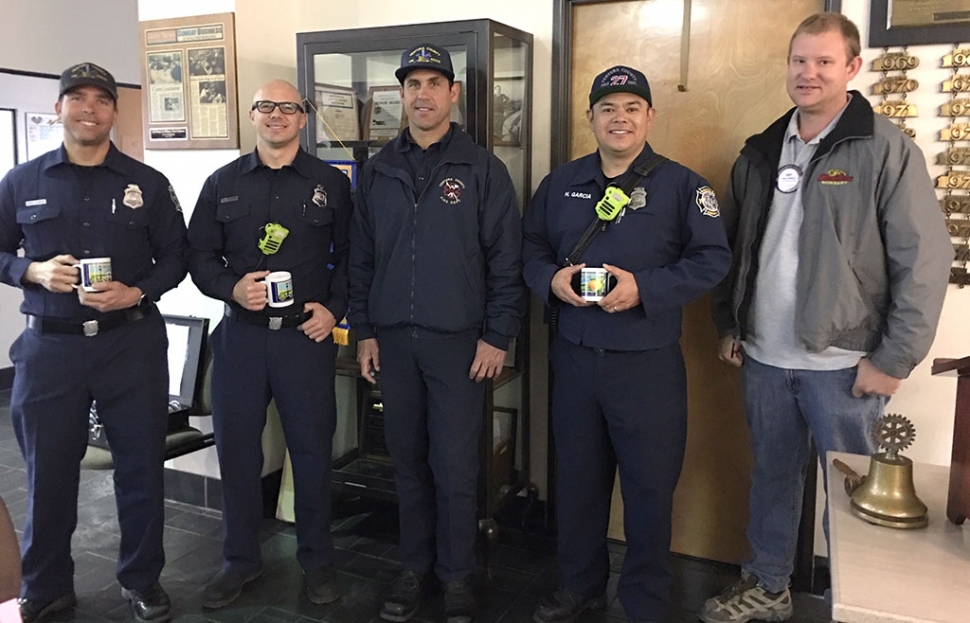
425	56
619	79
88	74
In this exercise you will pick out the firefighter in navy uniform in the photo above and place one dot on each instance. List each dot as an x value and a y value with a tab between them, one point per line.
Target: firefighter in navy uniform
88	200
619	388
436	296
275	209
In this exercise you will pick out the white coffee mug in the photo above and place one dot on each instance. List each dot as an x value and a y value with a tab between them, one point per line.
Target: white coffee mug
594	283
279	289
92	270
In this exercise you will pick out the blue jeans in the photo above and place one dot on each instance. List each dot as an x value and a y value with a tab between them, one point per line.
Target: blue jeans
783	408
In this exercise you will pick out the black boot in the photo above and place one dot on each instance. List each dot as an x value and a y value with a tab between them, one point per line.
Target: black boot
406	597
460	603
35	611
564	606
148	605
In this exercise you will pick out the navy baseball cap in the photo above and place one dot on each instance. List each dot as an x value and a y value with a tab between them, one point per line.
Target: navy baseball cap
619	79
425	56
88	74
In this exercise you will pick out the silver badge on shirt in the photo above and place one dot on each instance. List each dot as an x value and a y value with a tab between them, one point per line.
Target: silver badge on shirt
133	198
638	198
320	196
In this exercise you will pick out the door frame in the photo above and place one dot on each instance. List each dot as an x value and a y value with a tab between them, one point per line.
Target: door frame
803	578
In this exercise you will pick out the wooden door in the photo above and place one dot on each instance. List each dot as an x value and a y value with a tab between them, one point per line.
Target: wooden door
735	88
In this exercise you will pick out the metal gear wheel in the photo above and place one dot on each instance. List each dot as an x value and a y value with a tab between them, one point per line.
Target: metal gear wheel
894	432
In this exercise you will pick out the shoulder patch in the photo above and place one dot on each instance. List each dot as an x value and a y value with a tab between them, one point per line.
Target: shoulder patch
175	200
707	202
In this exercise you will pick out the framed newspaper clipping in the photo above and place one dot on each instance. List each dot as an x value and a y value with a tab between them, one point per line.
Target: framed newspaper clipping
189	72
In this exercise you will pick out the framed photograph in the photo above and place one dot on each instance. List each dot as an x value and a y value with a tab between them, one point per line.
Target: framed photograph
189	66
336	113
348	168
507	102
917	22
385	114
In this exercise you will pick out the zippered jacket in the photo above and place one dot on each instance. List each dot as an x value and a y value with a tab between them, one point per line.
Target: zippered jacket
448	262
874	253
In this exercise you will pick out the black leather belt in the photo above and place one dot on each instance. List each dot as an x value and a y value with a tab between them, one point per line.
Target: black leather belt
89	328
260	319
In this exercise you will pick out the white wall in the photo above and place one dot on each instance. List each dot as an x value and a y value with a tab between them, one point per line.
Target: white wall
49	36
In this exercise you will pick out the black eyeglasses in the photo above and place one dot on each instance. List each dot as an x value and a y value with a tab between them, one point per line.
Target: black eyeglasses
267	107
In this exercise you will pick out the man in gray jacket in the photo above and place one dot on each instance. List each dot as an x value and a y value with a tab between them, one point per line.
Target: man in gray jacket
841	257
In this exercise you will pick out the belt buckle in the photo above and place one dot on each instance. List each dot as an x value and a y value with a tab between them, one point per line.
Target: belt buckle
275	323
90	328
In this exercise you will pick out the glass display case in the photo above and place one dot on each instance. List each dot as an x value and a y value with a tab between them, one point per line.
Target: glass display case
347	76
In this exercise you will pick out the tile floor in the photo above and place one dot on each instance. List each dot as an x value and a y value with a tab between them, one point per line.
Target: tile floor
522	566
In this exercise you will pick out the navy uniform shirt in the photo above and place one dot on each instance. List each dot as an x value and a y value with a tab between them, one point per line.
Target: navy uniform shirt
120	209
673	243
308	197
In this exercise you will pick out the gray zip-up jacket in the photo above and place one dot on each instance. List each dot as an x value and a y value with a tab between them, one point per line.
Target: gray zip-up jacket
874	252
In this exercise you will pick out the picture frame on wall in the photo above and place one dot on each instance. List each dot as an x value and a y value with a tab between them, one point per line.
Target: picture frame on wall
918	22
189	72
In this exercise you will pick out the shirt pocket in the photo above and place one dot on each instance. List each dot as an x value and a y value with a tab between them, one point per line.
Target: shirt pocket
315	236
315	216
127	231
241	235
44	232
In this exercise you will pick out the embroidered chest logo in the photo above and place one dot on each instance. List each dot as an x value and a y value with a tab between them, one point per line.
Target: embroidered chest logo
133	198
835	177
707	202
320	196
451	188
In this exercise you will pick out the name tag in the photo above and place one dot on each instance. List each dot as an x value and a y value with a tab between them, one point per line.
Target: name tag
229	199
36	202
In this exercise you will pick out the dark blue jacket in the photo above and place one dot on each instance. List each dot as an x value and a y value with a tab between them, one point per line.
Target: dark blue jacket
239	199
675	246
52	207
449	262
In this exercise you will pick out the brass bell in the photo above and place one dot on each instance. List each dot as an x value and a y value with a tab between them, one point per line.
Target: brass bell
887	496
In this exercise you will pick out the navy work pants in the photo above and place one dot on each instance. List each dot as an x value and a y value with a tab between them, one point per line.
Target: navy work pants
625	410
252	365
55	379
432	425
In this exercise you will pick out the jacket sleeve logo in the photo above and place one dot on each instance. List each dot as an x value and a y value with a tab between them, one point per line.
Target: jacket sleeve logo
835	177
707	202
451	188
320	196
133	198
